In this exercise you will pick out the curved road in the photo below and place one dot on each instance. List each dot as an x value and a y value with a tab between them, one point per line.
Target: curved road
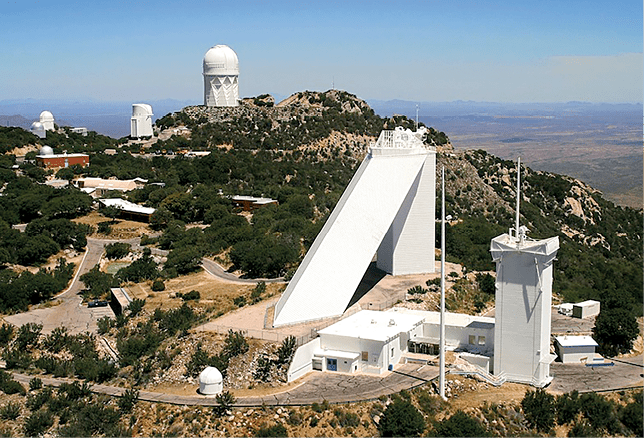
315	387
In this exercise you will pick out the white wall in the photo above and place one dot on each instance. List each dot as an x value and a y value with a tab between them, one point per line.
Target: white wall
302	360
459	337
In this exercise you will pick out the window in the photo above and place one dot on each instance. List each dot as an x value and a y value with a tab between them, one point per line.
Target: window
472	340
481	340
365	356
392	351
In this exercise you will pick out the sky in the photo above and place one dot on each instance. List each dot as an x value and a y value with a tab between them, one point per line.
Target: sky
497	51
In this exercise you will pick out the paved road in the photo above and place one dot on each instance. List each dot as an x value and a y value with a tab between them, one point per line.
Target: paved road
70	313
316	387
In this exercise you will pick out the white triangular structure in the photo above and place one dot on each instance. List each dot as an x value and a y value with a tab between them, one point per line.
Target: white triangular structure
523	300
388	208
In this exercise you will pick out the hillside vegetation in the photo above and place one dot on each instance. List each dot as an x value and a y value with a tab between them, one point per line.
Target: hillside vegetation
303	152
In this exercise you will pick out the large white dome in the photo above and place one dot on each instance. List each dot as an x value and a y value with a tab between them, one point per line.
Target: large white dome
46	116
220	60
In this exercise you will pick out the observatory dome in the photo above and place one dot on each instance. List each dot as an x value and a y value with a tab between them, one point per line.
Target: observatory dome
46	116
38	129
46	150
47	120
210	381
141	109
220	60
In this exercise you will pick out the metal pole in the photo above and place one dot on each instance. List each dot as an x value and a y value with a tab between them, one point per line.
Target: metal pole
516	223
441	360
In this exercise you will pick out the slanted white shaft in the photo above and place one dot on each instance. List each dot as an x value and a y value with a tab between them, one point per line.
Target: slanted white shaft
516	222
441	346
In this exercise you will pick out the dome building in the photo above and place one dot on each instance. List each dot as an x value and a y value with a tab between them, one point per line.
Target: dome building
141	121
211	381
47	120
38	129
221	77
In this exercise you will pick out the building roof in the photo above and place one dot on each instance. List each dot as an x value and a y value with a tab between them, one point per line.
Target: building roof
373	325
253	199
110	184
52	155
587	303
126	205
451	319
576	341
505	242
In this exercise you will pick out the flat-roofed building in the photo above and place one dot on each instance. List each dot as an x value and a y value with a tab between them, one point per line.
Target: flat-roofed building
575	349
251	203
129	210
586	309
98	186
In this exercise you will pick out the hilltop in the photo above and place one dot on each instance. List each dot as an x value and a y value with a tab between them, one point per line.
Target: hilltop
302	152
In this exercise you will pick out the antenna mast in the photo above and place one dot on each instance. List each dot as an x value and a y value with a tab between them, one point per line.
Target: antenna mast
516	223
416	117
441	347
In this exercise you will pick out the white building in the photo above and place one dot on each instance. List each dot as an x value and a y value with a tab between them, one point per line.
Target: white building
221	77
586	309
141	121
38	130
385	209
575	349
80	130
47	120
523	302
374	342
210	381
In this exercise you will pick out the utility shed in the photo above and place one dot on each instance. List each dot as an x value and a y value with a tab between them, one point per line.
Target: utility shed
368	341
575	349
586	309
119	300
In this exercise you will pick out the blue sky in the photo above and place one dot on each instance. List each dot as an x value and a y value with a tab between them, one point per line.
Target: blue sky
505	51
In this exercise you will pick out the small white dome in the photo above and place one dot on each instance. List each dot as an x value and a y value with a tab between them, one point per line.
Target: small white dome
220	60
46	116
46	150
210	375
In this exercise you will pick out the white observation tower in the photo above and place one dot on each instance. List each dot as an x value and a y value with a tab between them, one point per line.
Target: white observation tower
523	301
221	77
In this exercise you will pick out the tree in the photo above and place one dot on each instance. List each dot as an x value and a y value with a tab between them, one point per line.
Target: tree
486	283
401	418
615	330
97	283
460	424
183	260
117	250
539	409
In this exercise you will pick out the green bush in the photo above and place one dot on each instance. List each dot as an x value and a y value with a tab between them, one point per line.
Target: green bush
117	250
158	285
35	383
401	418
460	424
276	430
10	411
539	409
128	400
38	423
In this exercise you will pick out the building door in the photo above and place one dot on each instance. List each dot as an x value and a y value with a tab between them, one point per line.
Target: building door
331	364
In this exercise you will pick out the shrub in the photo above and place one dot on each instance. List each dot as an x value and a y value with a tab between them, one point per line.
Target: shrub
276	430
286	350
158	285
6	333
117	250
192	295
631	416
567	407
234	344
539	409
37	400
225	401
128	400
136	306
401	418
38	423
10	411
460	425
104	325
28	335
35	383
416	290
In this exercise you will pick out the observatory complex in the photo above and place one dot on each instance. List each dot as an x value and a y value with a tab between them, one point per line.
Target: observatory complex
45	123
141	121
220	77
385	209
